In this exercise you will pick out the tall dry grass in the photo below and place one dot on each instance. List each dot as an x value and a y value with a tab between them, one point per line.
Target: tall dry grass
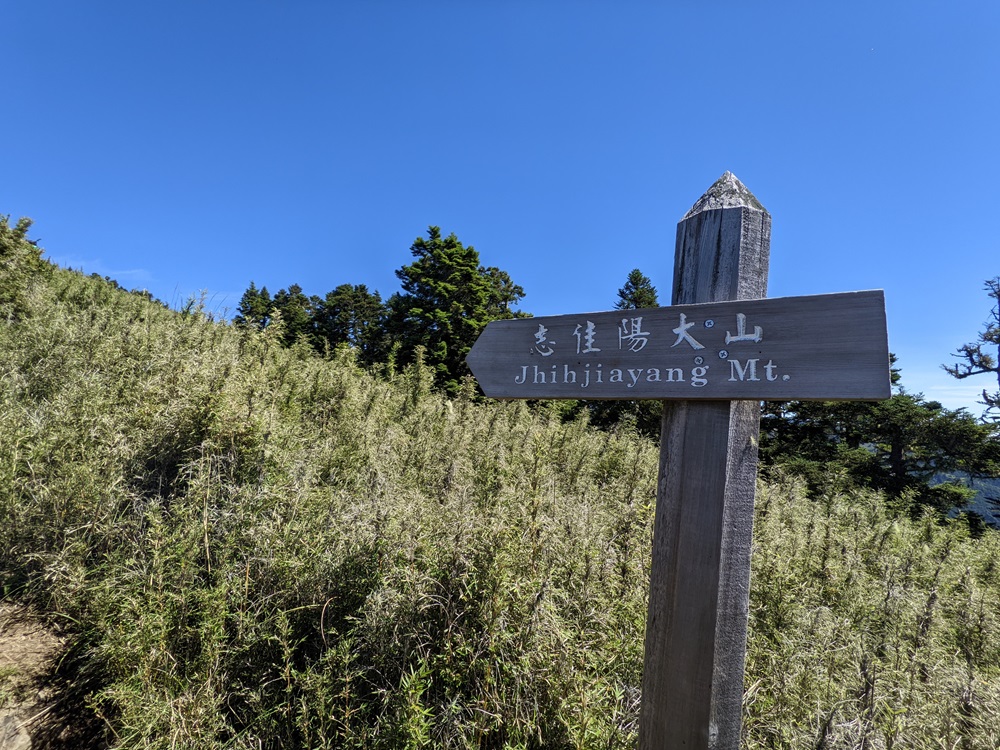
253	546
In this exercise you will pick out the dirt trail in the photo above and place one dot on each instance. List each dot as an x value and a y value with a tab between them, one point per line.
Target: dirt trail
27	651
40	708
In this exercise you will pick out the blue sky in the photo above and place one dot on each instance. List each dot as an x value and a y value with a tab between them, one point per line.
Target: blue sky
189	146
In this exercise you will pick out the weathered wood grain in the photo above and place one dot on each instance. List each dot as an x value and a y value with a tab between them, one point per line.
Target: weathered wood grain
699	582
822	347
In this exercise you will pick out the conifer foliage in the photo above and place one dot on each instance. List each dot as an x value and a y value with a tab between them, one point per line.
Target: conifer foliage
298	314
354	316
978	359
903	446
447	300
255	308
637	293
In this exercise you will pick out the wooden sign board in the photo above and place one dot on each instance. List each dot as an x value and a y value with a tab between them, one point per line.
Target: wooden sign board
824	347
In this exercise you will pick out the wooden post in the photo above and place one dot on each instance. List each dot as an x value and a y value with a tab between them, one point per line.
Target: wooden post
711	381
700	578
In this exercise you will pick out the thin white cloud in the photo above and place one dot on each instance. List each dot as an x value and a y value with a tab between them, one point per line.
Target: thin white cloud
938	385
124	276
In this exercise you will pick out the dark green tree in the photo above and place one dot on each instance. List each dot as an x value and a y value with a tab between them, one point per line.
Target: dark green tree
297	314
902	446
254	310
447	300
637	293
352	315
977	357
502	293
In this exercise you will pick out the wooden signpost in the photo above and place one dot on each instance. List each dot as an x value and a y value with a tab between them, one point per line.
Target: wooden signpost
711	356
827	347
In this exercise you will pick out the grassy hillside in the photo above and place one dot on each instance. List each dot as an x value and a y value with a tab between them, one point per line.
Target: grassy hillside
251	546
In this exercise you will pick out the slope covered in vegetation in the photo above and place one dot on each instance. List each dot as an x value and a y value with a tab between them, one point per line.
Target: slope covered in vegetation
254	546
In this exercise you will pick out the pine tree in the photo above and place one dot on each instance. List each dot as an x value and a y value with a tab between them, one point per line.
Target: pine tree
901	446
637	293
447	300
979	361
254	310
352	315
297	314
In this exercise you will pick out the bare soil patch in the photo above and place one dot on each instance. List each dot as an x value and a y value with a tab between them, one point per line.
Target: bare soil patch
27	649
42	698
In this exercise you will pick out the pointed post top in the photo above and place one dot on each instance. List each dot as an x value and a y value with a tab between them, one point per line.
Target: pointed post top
727	192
